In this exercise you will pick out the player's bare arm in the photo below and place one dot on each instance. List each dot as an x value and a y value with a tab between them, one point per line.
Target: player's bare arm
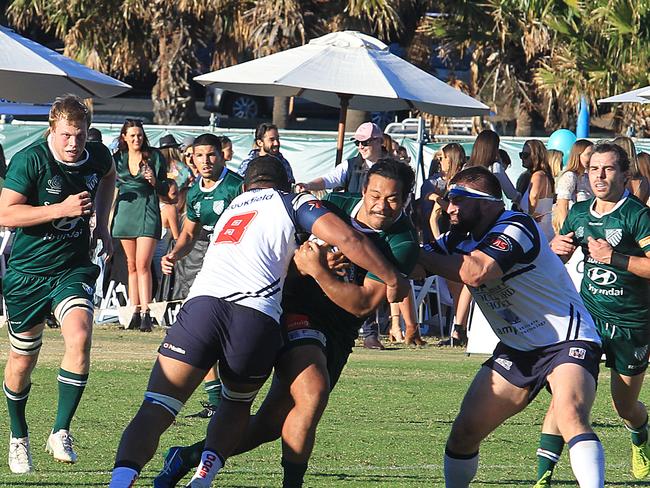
103	203
311	259
473	269
15	212
602	251
189	234
362	252
563	246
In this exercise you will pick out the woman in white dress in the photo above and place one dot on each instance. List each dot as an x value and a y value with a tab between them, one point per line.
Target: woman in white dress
573	185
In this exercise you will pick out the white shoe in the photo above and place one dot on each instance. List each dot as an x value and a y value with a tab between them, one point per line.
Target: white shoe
198	483
20	455
59	445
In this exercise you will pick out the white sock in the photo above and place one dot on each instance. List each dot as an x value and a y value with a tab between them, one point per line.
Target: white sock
123	477
210	465
459	469
587	460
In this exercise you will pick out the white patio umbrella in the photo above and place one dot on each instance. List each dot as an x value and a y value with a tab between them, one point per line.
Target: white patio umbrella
30	72
634	96
347	70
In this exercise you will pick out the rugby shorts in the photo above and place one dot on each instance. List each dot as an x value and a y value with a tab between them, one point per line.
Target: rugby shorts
626	348
530	369
243	340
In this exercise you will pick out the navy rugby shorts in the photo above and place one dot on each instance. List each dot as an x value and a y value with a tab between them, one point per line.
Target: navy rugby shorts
530	369
245	341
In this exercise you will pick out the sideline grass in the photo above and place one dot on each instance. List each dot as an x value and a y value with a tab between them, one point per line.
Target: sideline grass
385	426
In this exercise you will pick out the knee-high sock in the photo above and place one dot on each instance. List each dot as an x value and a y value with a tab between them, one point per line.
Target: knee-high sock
16	403
548	453
587	460
71	387
639	434
460	469
294	474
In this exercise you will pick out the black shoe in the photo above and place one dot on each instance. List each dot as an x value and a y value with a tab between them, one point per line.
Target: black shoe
206	413
145	322
134	324
372	342
51	322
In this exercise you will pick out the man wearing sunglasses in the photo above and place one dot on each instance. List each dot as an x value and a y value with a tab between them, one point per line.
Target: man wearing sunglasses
350	175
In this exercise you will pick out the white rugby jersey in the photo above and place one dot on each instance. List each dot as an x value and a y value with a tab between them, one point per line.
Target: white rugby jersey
534	304
251	247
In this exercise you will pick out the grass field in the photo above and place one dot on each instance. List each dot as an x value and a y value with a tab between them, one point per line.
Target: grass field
386	424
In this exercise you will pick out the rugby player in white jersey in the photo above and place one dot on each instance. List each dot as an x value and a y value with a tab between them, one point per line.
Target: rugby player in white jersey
232	316
547	337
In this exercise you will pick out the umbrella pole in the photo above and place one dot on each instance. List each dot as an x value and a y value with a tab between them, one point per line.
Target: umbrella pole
343	113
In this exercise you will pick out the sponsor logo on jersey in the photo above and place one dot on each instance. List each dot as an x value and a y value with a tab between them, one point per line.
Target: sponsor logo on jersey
501	243
66	224
197	209
577	352
580	232
218	206
54	185
172	347
505	364
644	242
91	181
613	236
640	353
602	276
610	292
88	289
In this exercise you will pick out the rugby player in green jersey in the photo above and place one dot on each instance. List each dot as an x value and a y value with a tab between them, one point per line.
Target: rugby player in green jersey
613	230
322	316
206	201
48	197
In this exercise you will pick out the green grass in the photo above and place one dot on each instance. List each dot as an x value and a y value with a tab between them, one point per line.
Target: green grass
386	424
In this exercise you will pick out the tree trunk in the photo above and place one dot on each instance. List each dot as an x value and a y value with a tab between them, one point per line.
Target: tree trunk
281	112
355	119
524	123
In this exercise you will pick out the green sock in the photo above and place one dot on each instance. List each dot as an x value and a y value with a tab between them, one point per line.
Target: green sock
639	434
294	474
213	389
16	403
548	453
191	455
71	387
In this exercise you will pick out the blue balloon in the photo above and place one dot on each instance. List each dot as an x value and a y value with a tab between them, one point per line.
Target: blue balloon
562	140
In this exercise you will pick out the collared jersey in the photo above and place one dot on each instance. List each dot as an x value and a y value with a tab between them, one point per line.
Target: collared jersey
251	248
610	293
534	303
53	247
205	205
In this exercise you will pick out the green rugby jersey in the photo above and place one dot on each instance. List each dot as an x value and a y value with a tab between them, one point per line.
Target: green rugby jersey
610	293
52	247
205	206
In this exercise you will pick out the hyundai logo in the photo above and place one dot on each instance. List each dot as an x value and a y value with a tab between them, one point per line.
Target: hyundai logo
602	276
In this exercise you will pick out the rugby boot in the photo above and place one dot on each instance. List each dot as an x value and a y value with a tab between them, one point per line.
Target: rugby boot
641	460
206	413
174	469
20	455
544	481
60	446
145	322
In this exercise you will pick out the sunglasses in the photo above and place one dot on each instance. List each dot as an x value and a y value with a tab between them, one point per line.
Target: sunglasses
524	155
365	143
188	155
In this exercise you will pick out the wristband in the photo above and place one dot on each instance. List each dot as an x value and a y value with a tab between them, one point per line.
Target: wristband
621	261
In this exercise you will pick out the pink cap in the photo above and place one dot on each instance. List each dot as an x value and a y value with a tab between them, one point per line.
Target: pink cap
366	131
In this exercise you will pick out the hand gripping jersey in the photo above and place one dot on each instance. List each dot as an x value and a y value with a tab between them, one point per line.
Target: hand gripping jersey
56	246
534	304
610	293
252	246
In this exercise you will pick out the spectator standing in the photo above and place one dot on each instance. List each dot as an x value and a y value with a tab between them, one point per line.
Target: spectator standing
555	162
643	158
142	176
267	143
485	152
636	183
177	170
349	175
538	198
170	231
573	184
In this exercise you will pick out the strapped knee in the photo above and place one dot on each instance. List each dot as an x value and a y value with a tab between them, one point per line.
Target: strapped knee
24	344
70	303
171	404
